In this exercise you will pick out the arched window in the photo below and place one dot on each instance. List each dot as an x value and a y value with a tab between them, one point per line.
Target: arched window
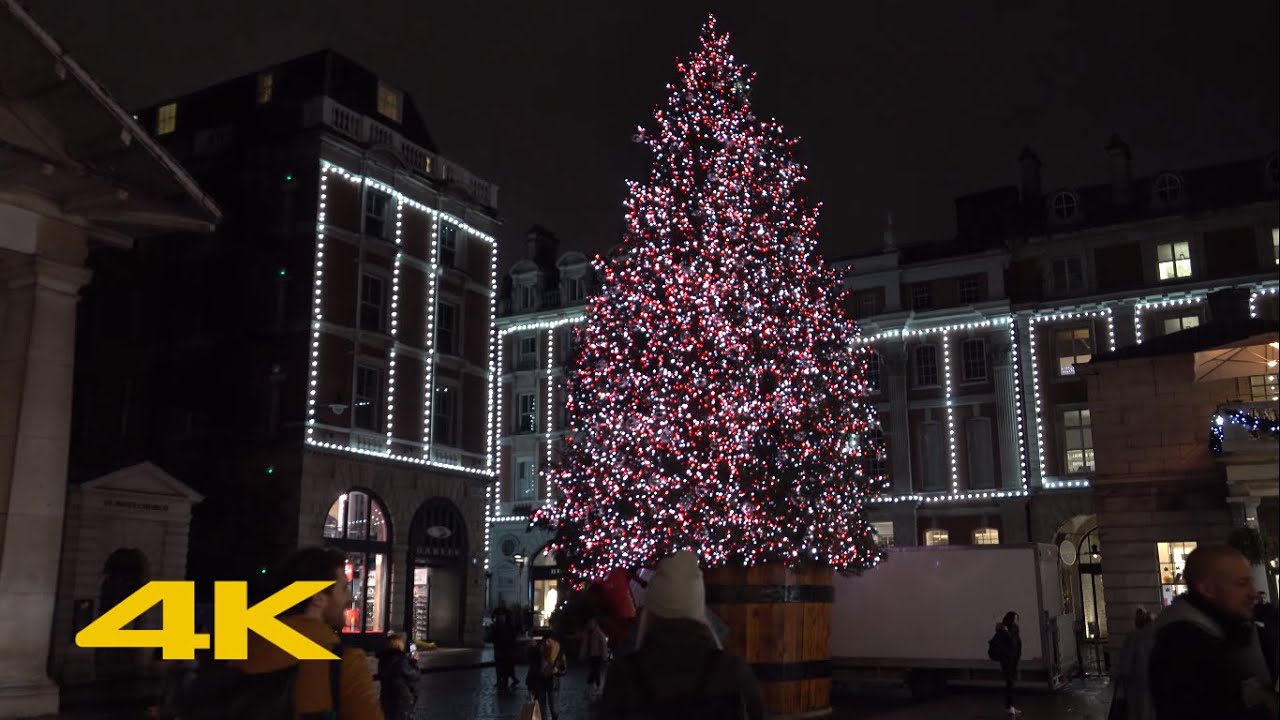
357	524
1065	205
1168	189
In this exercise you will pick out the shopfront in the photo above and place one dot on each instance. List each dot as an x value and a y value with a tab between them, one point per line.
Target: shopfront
358	525
544	587
436	599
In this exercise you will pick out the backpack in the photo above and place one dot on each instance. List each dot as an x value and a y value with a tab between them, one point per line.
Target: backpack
697	706
995	647
222	691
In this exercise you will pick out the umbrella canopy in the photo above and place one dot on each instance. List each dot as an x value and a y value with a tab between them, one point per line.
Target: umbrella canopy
1257	355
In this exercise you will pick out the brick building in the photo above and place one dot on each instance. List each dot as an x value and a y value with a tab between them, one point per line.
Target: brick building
320	370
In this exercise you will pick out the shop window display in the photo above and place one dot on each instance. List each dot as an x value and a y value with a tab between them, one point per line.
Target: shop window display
1173	562
357	525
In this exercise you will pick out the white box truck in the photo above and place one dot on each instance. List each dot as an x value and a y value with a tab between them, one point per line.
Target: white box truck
925	614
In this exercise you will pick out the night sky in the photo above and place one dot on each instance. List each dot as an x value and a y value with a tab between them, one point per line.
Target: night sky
900	106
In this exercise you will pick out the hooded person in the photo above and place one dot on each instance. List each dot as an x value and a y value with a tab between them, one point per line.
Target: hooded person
678	667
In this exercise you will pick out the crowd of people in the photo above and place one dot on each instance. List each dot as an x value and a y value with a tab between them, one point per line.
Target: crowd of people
1211	655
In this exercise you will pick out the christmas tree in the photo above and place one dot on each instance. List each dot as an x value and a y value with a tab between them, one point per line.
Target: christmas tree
716	401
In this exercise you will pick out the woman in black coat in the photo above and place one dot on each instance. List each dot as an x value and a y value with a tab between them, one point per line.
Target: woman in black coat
398	674
1007	650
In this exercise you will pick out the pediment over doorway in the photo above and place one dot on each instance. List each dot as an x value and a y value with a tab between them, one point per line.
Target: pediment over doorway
145	478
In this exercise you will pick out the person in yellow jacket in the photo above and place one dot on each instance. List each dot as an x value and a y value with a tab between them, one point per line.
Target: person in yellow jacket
319	619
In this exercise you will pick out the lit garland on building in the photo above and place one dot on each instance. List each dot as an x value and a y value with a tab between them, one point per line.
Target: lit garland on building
1257	425
717	403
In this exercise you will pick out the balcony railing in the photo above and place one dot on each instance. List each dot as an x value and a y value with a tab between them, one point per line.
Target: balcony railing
1245	429
454	456
367	131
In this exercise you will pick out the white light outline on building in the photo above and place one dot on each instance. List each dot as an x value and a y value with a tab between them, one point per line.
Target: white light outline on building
491	440
429	371
951	420
1017	403
327	167
1035	383
549	425
1258	292
395	324
1142	307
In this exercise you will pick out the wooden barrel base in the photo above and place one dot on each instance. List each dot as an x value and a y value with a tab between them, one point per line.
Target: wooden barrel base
780	624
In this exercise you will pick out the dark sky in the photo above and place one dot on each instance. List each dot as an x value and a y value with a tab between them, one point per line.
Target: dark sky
900	105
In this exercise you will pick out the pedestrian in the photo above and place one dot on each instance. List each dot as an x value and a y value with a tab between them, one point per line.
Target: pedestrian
1005	647
504	649
595	648
398	674
678	668
1131	696
1207	661
546	666
1268	622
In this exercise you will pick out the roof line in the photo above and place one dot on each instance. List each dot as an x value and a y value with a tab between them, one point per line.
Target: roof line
100	94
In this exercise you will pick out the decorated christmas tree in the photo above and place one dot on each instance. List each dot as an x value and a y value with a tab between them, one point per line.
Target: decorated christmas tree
717	399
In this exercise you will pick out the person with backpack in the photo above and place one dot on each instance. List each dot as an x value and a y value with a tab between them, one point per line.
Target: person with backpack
678	669
1005	647
546	666
398	677
272	684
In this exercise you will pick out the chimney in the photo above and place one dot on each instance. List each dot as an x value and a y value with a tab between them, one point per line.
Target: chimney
890	239
541	246
1030	183
1229	306
1121	174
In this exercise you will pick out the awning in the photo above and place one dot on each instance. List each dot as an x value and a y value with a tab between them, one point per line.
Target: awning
1257	355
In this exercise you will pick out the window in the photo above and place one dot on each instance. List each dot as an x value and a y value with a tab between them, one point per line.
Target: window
211	141
971	290
884	533
869	303
986	536
443	412
873	373
921	298
1168	189
1077	441
1275	244
926	366
357	525
448	245
446	327
575	289
1073	347
873	450
1173	563
935	536
376	205
266	84
974	355
167	119
526	479
389	101
527	352
1178	324
982	473
932	454
367	413
372	303
1173	260
1263	388
1068	274
1064	205
526	413
526	296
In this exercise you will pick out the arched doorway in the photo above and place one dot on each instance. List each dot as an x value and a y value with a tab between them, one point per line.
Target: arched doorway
436	594
125	572
545	592
358	525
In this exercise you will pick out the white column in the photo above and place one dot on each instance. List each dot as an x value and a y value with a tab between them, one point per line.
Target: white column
37	355
1244	513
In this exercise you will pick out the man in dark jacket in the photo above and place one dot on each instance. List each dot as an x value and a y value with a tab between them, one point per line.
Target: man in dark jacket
1268	622
504	649
1207	662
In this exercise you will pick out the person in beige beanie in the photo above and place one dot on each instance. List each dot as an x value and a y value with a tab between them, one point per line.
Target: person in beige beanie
678	667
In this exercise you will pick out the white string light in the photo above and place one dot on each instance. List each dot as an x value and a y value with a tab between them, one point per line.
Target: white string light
951	420
1017	402
1139	308
395	324
1258	292
316	310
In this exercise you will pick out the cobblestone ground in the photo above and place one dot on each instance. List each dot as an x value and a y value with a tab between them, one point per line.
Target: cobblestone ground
471	695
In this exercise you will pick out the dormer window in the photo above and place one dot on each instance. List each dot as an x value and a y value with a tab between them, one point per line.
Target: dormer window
390	101
575	289
1065	204
167	119
1168	189
526	297
266	86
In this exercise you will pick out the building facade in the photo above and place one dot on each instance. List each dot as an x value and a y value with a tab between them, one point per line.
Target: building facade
321	370
77	173
980	341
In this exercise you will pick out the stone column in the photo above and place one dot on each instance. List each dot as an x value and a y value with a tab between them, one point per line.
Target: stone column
1244	513
37	355
893	379
1007	415
401	582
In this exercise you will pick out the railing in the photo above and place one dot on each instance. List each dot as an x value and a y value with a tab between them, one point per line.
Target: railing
368	441
454	456
1245	428
365	130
